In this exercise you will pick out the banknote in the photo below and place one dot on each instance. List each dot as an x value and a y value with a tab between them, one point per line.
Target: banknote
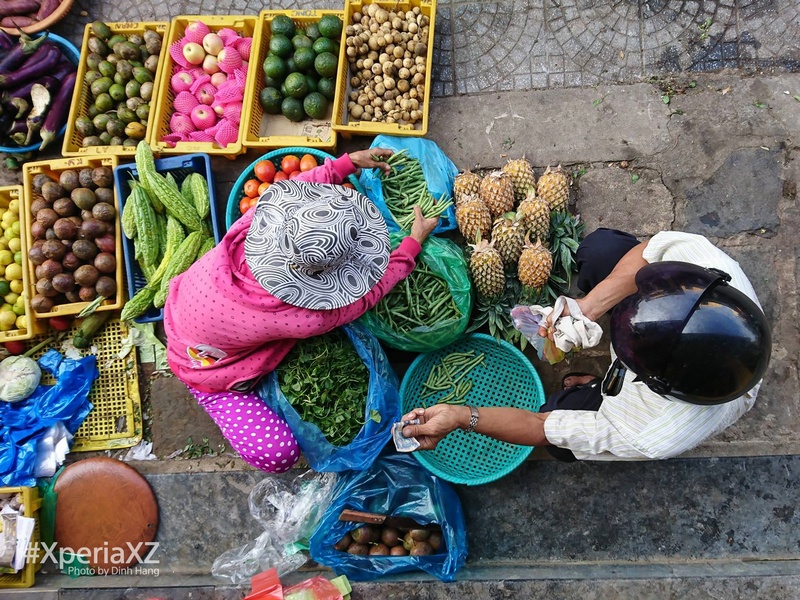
401	442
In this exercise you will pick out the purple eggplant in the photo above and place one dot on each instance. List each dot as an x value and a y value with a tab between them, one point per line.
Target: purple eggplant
32	69
42	100
21	52
18	107
18	126
6	41
20	7
24	91
59	110
63	69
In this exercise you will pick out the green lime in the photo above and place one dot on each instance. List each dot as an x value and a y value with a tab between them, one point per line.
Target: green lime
280	45
301	41
270	100
330	26
296	85
103	102
274	67
292	109
117	92
312	79
327	87
325	45
5	287
312	31
316	105
304	59
282	25
326	64
284	91
291	67
272	82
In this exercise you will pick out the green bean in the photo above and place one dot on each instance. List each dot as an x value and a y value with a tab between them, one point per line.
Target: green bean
405	186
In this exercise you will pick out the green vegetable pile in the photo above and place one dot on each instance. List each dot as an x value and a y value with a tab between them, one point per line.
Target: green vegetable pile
326	381
448	375
423	299
405	186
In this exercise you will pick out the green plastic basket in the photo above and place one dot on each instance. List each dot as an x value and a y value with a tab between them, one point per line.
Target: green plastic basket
507	379
232	212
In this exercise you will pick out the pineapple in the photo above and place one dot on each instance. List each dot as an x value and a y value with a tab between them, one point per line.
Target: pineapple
497	192
473	218
534	265
535	215
522	177
466	184
553	188
508	236
486	266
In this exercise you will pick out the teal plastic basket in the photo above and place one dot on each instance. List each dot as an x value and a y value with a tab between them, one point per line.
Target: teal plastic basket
232	212
507	379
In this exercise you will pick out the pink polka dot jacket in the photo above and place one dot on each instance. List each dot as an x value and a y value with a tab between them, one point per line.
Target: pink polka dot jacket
224	331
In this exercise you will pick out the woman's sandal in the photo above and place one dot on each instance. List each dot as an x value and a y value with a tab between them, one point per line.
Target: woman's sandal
577	374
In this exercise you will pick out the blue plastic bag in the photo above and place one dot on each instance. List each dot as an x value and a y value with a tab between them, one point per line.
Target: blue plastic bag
383	397
440	173
23	423
395	485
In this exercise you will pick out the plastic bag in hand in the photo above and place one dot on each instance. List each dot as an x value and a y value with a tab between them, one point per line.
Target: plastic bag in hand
396	485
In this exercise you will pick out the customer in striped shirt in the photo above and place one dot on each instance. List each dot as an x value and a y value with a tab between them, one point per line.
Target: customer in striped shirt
692	351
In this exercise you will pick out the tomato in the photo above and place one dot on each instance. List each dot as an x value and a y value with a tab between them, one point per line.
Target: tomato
60	323
253	202
307	163
347	184
265	170
295	175
244	204
251	187
280	176
15	347
263	187
290	164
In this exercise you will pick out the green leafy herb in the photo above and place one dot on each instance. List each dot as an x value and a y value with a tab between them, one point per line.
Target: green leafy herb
326	381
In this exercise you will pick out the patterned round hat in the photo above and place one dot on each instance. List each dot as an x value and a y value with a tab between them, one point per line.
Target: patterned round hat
316	245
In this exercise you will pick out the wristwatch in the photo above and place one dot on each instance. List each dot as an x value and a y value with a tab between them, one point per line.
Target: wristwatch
473	419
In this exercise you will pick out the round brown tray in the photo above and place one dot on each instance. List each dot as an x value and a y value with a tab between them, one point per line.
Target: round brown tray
54	18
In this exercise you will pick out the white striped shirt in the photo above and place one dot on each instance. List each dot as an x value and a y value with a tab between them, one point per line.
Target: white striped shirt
638	423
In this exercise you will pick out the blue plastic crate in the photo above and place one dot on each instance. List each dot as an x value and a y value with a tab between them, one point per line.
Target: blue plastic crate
180	167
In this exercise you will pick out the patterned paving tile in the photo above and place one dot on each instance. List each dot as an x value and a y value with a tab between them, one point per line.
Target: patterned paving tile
770	34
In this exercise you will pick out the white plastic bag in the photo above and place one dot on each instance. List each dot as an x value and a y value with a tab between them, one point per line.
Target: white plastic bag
289	511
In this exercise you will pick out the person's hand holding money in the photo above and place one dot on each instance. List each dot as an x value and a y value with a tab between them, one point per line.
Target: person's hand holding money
435	423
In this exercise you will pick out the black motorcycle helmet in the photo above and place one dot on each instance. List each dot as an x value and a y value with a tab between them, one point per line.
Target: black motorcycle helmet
689	334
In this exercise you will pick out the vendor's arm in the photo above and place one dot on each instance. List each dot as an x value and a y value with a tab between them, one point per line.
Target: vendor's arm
512	425
619	284
336	171
401	262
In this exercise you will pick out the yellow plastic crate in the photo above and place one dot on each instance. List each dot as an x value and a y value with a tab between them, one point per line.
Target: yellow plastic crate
276	131
32	504
73	140
115	420
246	25
7	194
53	168
341	116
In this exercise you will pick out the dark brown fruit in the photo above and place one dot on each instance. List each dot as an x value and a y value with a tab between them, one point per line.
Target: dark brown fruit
38	182
83	198
343	544
421	549
41	304
73	295
358	549
365	535
419	535
87	294
103	211
107	243
390	536
70	261
435	540
105	195
379	550
63	282
65	229
85	177
105	262
36	256
45	288
85	249
50	234
47	217
92	228
51	191
106	287
38	205
69	180
103	177
53	249
398	551
65	207
86	276
50	268
38	231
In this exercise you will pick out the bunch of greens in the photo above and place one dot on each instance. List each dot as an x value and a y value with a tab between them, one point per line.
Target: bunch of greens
327	383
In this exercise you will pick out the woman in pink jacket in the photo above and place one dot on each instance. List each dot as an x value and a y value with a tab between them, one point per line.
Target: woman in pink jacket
310	257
